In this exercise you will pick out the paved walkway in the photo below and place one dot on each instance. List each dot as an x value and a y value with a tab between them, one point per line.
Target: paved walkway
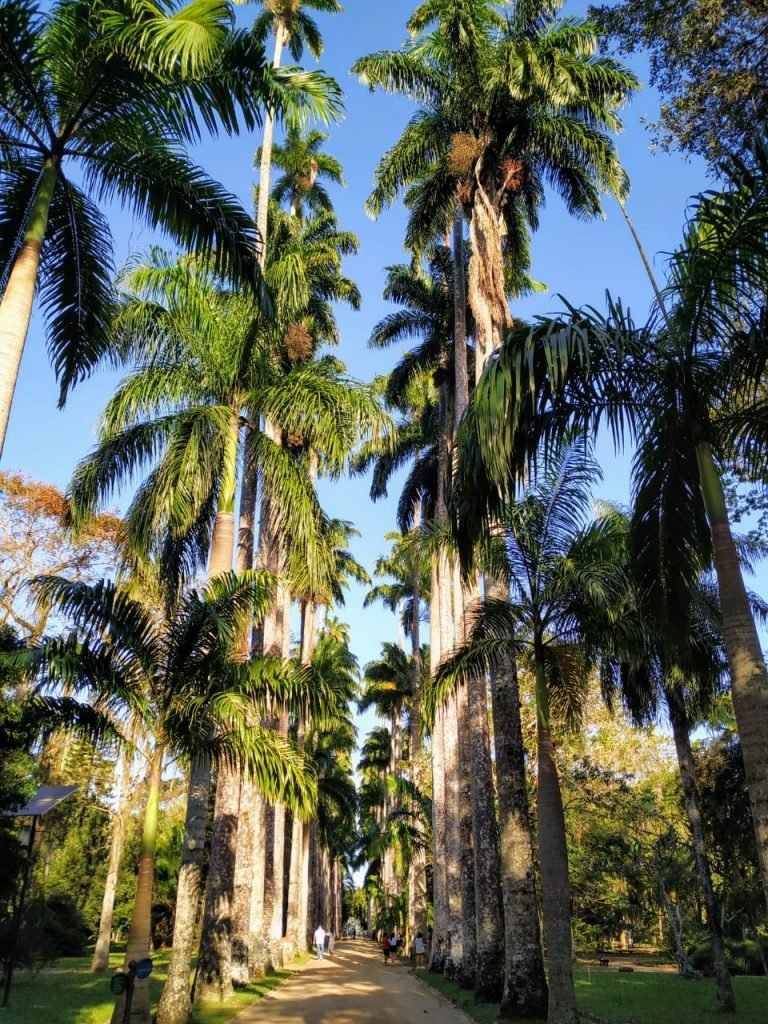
353	988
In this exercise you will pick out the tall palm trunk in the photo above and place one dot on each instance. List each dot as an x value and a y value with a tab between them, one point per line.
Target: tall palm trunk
16	303
242	897
680	732
214	965
553	858
100	960
139	932
451	851
175	1005
749	678
439	829
525	986
417	872
488	913
265	164
296	929
468	970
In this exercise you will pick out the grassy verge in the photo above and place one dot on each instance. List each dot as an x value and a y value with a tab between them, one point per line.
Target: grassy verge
642	998
69	994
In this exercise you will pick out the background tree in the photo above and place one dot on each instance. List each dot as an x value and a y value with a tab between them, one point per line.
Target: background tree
708	60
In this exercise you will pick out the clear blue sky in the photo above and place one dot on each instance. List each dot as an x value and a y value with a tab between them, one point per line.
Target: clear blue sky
575	259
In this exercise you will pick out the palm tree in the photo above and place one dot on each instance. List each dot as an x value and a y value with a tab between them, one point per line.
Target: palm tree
304	166
687	386
292	26
567	594
174	670
117	94
512	99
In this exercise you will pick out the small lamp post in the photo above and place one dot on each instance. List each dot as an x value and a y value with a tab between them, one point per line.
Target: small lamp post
44	800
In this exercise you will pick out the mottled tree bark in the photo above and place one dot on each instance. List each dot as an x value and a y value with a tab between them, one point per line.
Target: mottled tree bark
725	996
100	960
525	986
214	965
749	677
175	1005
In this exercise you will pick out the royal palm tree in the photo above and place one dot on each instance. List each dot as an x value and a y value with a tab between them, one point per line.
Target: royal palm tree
567	593
174	670
688	387
116	93
290	25
300	188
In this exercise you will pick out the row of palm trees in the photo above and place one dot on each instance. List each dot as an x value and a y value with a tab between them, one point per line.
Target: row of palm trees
227	416
510	99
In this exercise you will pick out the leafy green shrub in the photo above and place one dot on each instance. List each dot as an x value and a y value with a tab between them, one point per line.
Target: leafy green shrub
742	957
51	928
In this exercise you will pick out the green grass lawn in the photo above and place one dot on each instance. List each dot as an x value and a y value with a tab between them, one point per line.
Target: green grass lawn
640	998
69	994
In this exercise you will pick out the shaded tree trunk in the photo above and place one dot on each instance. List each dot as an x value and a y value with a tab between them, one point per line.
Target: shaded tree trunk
725	996
214	965
417	872
175	1005
749	677
140	931
553	859
676	930
525	986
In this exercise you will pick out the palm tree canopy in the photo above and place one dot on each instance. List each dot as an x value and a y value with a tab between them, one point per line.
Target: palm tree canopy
175	671
300	28
116	92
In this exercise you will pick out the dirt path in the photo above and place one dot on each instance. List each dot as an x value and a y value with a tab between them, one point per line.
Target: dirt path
353	988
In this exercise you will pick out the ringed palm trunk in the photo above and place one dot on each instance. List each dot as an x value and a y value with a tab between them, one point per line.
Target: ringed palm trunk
242	898
16	304
553	858
525	986
417	875
100	960
139	933
468	969
265	165
175	1005
488	915
296	931
439	834
725	996
214	965
749	677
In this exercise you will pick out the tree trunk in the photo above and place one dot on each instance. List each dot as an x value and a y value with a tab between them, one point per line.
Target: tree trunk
16	303
749	678
525	984
417	872
100	960
725	996
214	965
258	955
265	165
242	899
489	970
175	1005
487	277
553	859
139	933
439	894
468	970
676	928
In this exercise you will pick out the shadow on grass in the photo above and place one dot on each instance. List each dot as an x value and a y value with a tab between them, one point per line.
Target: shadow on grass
643	998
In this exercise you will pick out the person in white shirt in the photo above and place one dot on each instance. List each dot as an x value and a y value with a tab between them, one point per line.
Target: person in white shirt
319	939
419	949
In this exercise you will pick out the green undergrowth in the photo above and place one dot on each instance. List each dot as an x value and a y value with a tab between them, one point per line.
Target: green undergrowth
68	993
607	997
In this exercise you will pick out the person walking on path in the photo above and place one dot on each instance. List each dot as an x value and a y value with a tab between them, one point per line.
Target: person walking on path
319	941
331	944
419	949
385	947
393	946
